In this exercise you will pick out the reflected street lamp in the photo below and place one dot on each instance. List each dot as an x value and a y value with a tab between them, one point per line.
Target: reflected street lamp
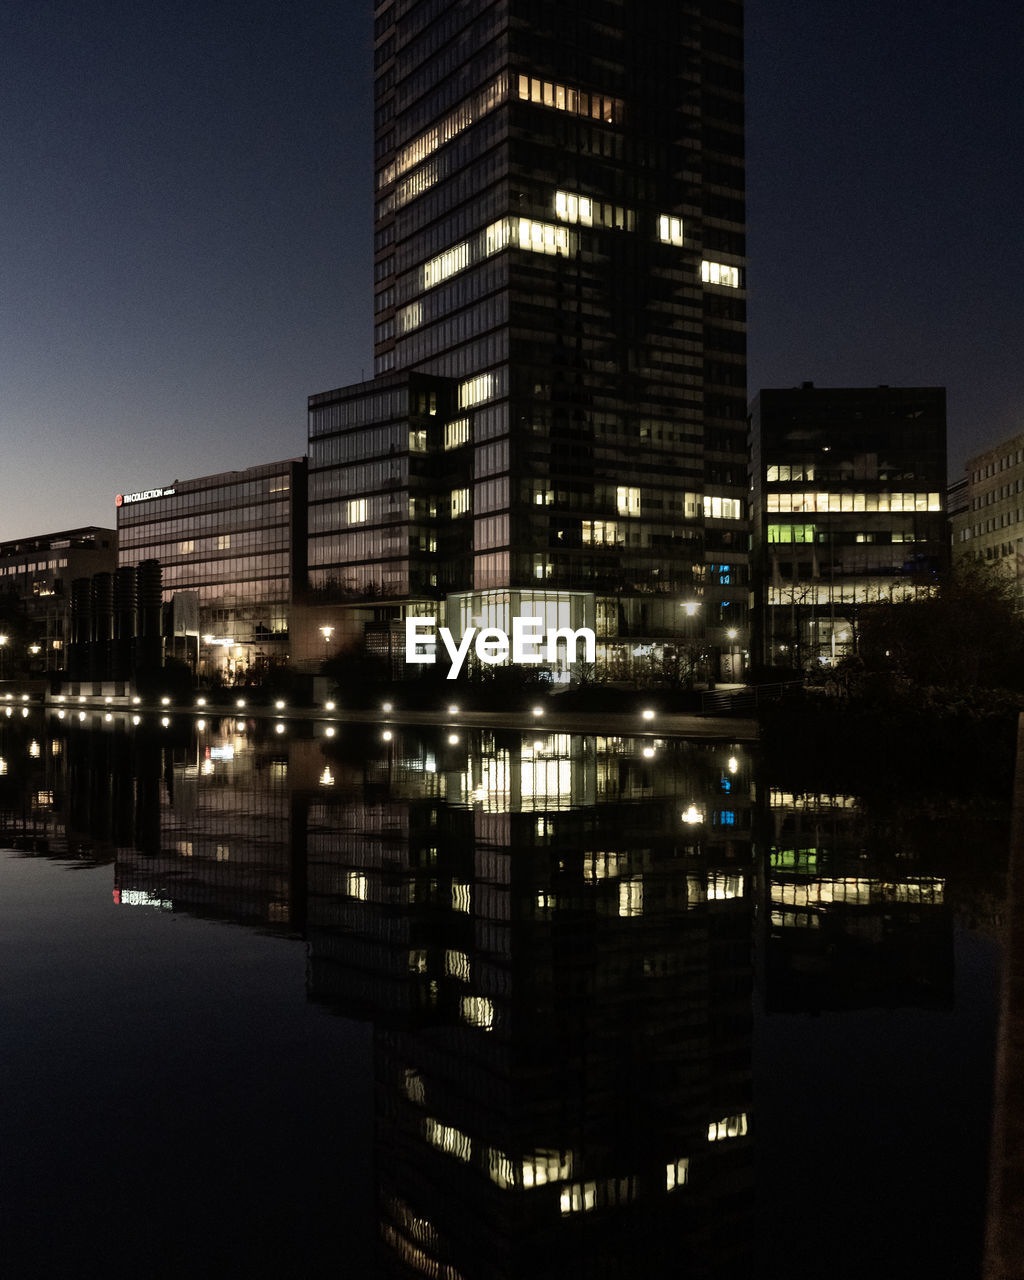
326	632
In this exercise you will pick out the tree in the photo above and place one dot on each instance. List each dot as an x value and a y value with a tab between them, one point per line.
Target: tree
970	634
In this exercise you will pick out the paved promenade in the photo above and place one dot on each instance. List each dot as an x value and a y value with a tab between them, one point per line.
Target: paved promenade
553	720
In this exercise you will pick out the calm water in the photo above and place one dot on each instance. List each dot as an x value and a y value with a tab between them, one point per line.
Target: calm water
503	1006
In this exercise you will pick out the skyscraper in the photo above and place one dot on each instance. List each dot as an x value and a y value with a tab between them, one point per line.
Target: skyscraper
556	427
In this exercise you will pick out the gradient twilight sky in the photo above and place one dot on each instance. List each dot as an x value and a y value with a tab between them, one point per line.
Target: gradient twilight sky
185	226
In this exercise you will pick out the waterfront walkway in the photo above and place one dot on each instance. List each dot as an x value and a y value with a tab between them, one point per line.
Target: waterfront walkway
713	728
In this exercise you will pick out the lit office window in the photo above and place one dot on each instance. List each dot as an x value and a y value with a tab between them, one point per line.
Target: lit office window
409	317
720	273
602	533
456	433
588	212
444	265
476	390
784	503
460	503
677	1174
722	508
456	965
627	501
792	533
356	510
357	885
576	102
670	229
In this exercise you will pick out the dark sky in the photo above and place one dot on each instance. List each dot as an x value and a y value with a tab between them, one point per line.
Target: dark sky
185	225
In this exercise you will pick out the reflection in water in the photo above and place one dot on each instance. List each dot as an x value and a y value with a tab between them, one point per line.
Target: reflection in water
553	936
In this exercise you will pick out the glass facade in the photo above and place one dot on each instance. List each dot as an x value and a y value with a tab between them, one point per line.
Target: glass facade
559	241
849	509
237	541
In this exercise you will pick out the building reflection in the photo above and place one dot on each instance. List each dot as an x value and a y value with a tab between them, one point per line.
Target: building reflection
557	964
552	936
852	923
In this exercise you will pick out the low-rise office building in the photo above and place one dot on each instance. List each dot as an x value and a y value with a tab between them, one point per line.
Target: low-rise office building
987	520
232	549
848	491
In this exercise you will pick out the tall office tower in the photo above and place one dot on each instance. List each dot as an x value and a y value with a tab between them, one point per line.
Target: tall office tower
557	423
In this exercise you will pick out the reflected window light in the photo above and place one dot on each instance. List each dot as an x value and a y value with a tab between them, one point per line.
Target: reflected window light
631	896
722	886
500	1169
327	778
478	1011
692	815
734	764
418	960
578	1197
546	1166
33	749
461	898
448	1139
413	1086
456	965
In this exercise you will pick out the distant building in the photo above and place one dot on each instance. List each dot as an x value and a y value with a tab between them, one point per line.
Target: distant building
988	522
848	488
232	549
36	576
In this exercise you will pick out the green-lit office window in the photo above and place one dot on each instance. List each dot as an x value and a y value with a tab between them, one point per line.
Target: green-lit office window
791	533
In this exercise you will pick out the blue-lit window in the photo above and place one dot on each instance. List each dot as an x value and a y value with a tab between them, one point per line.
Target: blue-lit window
725	818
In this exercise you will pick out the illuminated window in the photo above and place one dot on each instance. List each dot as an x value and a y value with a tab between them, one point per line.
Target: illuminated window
357	885
476	390
444	265
670	229
677	1174
809	501
722	885
627	501
460	897
418	961
224	542
456	433
356	510
722	508
602	533
459	503
574	101
587	212
409	317
473	109
418	440
720	273
791	533
185	547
